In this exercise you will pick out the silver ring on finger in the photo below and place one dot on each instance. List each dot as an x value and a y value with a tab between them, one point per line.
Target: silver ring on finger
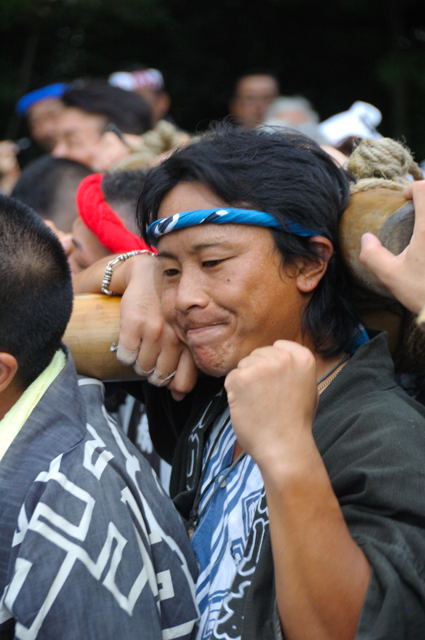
143	372
162	380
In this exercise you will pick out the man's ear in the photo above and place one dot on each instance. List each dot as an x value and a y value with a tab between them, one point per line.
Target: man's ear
8	370
311	272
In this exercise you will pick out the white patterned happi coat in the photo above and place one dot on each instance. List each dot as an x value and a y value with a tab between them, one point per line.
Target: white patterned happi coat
90	545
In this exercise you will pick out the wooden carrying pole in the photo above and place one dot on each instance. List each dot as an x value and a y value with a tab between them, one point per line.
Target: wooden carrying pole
93	328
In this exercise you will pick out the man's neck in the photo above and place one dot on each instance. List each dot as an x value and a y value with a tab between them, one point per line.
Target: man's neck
325	365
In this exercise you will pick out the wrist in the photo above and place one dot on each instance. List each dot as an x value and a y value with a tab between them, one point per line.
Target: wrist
291	461
108	287
141	263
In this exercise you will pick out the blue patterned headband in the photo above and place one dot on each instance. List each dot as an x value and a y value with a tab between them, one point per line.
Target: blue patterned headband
224	216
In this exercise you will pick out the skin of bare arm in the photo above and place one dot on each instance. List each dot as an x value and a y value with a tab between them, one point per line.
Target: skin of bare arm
321	574
402	275
146	340
89	280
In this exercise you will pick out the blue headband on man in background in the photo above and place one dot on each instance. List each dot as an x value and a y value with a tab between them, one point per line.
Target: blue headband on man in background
225	216
50	91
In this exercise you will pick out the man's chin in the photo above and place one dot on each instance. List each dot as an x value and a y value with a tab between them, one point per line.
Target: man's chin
213	371
212	363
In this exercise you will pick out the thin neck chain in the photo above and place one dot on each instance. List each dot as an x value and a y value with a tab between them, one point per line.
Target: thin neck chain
324	382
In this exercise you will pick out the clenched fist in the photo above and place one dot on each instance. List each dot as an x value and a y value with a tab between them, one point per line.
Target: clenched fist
272	397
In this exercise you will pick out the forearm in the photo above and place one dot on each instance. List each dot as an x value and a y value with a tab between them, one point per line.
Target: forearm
321	574
89	280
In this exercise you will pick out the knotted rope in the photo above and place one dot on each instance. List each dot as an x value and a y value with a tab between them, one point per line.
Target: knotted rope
382	162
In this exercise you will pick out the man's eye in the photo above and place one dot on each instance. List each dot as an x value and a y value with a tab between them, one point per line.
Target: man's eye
169	273
211	263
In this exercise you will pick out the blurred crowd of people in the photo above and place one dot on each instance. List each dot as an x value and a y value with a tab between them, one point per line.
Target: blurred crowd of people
124	124
99	124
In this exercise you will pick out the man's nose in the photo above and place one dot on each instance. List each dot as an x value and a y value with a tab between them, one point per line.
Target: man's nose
191	290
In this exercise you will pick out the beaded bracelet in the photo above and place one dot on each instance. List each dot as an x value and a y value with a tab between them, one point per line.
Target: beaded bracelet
107	276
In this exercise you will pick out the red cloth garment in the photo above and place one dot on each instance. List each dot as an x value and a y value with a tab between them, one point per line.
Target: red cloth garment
100	218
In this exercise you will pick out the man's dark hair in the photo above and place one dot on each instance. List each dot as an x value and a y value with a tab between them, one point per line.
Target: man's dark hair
48	185
287	175
121	190
125	109
255	71
35	289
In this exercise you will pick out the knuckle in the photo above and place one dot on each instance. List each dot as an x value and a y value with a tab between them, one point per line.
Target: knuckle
231	379
152	331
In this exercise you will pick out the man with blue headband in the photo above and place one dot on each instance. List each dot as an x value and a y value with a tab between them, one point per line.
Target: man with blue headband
297	460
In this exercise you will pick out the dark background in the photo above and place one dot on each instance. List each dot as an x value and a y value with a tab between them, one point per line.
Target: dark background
331	52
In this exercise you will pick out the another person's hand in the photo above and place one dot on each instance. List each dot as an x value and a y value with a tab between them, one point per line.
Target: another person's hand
9	166
402	275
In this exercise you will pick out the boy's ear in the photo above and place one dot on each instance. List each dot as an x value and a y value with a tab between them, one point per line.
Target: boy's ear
8	369
311	272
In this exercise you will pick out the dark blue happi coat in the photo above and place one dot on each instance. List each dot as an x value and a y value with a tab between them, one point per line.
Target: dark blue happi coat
90	546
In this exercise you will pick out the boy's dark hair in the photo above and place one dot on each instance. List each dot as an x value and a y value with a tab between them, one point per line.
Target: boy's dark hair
287	175
125	109
48	185
35	289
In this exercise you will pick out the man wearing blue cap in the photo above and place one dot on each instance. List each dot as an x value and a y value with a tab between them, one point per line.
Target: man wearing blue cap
42	108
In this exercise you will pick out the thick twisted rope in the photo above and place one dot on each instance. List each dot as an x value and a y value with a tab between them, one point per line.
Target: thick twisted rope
382	162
